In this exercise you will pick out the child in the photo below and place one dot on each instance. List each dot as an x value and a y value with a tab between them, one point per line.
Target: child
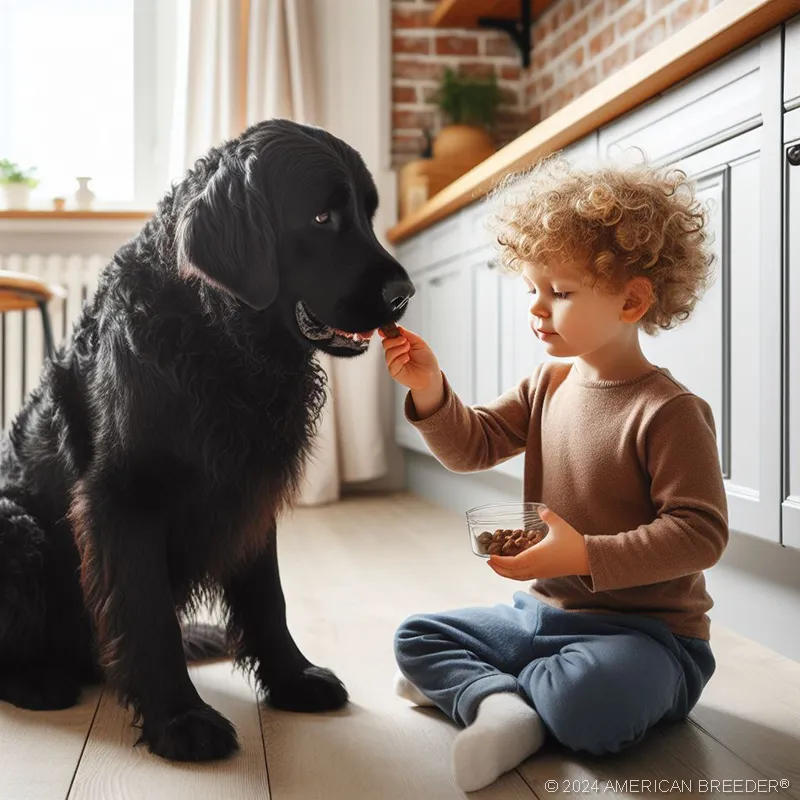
613	636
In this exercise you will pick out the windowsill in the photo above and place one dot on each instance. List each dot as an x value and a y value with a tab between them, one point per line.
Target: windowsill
45	214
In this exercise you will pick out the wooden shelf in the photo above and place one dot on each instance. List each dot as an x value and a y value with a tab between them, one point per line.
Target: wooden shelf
47	215
720	31
465	13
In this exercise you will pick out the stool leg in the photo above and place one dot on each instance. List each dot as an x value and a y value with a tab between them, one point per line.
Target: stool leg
49	345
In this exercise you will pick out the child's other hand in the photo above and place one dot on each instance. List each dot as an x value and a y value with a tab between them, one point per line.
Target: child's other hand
410	360
562	552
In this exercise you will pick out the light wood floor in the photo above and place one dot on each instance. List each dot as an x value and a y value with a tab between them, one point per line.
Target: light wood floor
351	573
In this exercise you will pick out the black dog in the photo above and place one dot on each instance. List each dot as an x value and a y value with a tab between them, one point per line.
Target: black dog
145	473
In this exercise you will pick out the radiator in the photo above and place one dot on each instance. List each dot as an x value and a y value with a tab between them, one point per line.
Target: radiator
21	332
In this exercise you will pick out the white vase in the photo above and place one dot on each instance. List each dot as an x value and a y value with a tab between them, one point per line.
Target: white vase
17	195
84	197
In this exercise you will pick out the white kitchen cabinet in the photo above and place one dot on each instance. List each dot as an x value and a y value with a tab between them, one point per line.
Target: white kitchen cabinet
485	326
790	494
791	64
717	353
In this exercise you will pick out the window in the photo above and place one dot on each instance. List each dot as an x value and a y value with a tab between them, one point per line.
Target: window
81	95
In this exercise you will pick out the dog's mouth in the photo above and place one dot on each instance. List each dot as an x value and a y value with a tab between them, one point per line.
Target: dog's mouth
316	331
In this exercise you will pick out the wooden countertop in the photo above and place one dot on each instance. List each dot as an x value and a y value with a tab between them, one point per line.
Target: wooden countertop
717	33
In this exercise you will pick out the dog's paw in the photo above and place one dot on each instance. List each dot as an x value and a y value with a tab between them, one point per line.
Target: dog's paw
199	734
39	689
314	689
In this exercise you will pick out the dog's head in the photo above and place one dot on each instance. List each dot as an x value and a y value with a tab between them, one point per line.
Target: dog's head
285	219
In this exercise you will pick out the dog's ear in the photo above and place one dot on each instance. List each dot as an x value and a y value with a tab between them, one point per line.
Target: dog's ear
225	235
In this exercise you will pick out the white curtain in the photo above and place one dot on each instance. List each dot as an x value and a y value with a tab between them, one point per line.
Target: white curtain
239	62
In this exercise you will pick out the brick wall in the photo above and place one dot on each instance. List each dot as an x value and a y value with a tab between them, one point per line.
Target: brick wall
420	56
576	45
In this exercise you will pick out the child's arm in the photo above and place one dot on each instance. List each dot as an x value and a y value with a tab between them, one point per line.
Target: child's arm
690	532
463	438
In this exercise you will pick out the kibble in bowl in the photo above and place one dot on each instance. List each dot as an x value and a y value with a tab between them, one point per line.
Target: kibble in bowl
505	529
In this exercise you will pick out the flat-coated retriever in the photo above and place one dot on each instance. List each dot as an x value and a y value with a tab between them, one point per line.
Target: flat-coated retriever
145	473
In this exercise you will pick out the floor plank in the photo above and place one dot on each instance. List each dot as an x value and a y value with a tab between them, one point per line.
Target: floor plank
39	750
349	583
112	767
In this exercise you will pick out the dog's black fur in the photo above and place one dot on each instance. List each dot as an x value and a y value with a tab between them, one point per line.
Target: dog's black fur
146	472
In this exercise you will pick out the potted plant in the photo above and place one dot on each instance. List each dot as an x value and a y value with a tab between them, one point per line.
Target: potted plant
17	184
469	103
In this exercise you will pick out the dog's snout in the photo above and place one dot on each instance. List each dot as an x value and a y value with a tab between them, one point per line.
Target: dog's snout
397	293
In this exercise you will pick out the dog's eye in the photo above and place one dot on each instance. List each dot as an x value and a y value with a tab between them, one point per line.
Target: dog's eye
323	218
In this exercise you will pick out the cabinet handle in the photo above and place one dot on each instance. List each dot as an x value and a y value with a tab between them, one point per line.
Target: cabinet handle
491	264
793	155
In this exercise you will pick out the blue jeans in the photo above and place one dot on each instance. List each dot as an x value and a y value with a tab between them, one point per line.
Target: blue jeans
598	681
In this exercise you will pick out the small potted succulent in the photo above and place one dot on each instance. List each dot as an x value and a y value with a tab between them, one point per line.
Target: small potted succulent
17	184
469	104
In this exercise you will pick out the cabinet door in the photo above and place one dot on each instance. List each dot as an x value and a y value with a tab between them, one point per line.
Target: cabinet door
722	352
485	327
447	320
790	494
791	64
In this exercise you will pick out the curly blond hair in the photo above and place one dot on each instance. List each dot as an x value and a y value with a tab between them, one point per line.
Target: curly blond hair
618	221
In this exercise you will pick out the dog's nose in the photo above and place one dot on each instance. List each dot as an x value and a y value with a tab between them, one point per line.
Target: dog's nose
397	293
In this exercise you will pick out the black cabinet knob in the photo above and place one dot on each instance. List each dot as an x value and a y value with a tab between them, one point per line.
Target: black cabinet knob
793	155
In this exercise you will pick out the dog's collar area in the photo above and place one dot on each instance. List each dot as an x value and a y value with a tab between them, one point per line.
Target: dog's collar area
316	331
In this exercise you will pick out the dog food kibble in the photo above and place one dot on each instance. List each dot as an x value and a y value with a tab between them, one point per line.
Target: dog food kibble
507	542
391	330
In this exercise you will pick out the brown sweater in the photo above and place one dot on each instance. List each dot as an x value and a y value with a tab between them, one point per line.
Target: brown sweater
632	465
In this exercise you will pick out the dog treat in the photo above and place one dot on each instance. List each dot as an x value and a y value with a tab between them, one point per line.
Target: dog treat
507	542
391	330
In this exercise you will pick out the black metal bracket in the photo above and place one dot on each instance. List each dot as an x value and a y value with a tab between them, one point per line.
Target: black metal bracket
518	29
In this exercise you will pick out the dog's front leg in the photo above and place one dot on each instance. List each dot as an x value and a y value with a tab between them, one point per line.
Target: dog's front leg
258	620
126	588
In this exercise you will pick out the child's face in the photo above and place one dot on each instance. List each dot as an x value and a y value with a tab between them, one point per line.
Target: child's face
568	314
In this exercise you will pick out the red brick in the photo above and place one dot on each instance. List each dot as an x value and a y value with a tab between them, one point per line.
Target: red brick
542	56
457	45
509	73
477	69
618	59
564	11
428	93
404	18
612	6
404	94
541	31
412	69
410	120
687	12
501	47
649	38
535	115
509	97
571	33
634	18
602	41
415	45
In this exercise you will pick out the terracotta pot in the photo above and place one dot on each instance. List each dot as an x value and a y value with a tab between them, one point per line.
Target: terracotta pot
465	145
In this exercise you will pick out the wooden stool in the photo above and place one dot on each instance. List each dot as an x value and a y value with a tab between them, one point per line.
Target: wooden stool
22	292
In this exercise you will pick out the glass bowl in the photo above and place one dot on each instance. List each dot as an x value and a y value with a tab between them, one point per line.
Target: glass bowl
506	529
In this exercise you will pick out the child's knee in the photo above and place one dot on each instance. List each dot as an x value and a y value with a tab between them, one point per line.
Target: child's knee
407	638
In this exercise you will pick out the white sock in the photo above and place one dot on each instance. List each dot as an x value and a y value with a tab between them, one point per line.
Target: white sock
405	689
505	732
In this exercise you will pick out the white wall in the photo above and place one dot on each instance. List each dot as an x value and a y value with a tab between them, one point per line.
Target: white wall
354	62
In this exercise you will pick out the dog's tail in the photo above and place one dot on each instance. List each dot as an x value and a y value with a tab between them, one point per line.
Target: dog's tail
203	642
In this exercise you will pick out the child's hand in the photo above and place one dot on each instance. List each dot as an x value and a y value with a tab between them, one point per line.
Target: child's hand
562	552
410	360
